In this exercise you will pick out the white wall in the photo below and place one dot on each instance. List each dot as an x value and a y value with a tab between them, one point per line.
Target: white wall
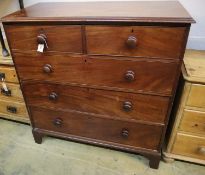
194	7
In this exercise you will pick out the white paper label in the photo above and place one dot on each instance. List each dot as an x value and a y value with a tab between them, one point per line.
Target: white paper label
40	48
4	86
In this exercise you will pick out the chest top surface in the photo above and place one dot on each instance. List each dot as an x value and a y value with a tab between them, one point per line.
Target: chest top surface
138	11
194	64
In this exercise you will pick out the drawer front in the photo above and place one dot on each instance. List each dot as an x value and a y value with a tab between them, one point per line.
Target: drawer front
193	121
196	96
13	109
107	103
9	73
135	76
195	146
115	131
60	38
142	41
14	92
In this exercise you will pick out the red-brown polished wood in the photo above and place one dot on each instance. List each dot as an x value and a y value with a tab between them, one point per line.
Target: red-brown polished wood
24	37
111	70
139	11
151	41
84	125
101	102
150	76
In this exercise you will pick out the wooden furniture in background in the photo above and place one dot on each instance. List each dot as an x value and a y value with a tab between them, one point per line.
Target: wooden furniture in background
103	73
4	51
187	141
12	105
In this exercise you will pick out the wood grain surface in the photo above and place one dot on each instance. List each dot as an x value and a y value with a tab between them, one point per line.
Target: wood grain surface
193	122
21	110
155	77
139	135
139	11
101	102
195	146
100	55
10	74
61	38
196	96
194	64
16	94
111	40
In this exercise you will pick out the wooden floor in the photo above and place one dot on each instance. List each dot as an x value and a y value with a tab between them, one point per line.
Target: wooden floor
19	155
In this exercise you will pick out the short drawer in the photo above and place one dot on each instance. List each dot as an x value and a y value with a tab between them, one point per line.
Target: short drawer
196	96
9	74
14	92
139	41
102	102
190	146
141	75
62	38
87	126
11	108
193	121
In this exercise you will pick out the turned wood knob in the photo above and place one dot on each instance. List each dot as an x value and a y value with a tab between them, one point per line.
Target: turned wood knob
130	75
202	150
6	93
58	122
53	96
125	133
47	68
11	109
41	39
131	42
127	106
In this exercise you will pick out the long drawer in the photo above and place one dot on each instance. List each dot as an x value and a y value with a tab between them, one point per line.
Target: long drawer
134	75
11	108
190	145
102	102
13	94
112	131
193	122
141	41
61	38
9	74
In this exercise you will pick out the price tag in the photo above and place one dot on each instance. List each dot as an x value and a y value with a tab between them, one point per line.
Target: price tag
40	48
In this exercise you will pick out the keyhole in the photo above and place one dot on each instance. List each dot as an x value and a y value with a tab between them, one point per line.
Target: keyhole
132	30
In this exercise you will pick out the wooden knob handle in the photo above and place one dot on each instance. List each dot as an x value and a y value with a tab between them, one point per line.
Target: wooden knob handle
58	122
6	93
53	96
125	133
127	106
12	109
41	39
47	68
130	75
202	150
131	42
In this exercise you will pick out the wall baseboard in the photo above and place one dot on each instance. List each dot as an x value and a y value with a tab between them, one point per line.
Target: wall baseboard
197	43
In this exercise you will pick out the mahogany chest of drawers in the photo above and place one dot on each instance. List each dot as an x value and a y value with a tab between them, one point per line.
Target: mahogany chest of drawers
103	73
